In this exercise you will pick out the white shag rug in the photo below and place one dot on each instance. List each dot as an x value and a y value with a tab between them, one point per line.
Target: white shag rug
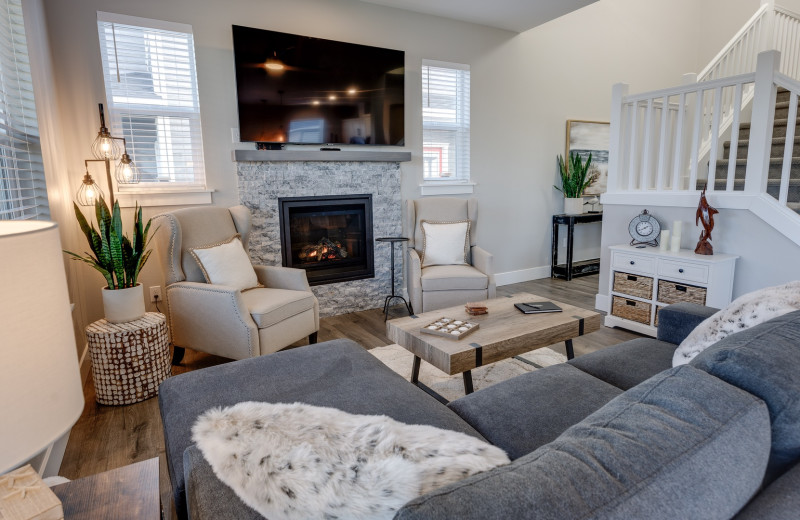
744	312
450	387
296	461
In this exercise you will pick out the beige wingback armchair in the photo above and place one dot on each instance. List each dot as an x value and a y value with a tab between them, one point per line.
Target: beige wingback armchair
219	319
438	286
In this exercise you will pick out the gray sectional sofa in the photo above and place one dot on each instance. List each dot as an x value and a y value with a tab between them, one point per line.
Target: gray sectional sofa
613	434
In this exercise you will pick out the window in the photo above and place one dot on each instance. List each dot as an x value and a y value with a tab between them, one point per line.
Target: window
22	185
151	88
445	121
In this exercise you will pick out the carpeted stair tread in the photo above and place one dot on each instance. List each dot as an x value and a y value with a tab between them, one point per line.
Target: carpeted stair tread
778	146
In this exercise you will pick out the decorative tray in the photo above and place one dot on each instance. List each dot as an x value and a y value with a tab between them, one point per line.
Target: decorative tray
450	328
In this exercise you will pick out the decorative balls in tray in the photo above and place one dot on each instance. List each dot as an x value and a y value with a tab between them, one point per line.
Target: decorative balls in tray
450	328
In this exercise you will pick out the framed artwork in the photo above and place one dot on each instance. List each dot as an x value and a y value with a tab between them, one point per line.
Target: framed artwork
585	137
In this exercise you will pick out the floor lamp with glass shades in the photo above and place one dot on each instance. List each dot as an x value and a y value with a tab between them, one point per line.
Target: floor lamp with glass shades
105	148
41	396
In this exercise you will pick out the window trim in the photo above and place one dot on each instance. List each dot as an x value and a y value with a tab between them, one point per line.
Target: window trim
155	193
447	186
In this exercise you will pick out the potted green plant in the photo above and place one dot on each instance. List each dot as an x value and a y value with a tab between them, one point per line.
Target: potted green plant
118	258
575	178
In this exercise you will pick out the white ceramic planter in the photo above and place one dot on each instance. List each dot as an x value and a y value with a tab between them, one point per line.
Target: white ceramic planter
123	305
573	206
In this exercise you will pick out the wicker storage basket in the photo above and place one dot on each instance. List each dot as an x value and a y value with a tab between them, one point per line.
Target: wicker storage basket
673	292
633	285
633	310
655	320
129	360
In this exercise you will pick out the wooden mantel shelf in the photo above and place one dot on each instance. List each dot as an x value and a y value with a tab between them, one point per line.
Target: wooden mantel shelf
319	155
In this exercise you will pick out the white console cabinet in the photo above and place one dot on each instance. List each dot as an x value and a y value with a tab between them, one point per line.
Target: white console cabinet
642	281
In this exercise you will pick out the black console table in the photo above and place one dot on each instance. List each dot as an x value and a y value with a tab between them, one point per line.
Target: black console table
571	269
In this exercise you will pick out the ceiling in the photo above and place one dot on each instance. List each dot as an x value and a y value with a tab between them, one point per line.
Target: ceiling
512	15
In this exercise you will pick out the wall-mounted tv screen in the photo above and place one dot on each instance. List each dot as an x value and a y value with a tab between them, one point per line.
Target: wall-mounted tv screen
303	90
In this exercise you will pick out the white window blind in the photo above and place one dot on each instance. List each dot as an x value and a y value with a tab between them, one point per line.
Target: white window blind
23	194
445	121
151	88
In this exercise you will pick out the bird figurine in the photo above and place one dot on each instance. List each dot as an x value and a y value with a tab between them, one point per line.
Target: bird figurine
705	215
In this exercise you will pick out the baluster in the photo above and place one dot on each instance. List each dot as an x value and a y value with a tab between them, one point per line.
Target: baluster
712	161
676	170
733	151
645	173
695	139
788	148
616	144
662	147
633	141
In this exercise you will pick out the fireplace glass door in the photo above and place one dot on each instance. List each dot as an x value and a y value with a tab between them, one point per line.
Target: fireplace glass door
330	237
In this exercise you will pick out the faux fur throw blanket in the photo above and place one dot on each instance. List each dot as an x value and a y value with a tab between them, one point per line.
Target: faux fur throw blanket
744	312
295	461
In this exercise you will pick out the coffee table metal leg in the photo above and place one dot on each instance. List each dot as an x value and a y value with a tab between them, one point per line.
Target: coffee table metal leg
570	352
468	382
415	370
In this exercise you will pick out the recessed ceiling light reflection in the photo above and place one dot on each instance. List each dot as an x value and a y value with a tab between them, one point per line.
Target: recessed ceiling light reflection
351	91
332	97
315	102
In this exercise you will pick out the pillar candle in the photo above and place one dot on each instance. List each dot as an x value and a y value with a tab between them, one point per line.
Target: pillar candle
675	244
676	228
664	242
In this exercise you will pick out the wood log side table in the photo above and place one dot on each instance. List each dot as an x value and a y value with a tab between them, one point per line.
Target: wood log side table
129	360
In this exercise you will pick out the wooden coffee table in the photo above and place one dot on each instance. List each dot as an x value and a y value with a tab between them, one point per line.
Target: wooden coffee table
504	332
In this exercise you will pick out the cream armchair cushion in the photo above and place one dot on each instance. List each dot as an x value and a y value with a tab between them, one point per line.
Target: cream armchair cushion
445	243
226	264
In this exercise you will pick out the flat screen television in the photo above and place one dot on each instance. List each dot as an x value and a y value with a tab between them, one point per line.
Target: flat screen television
302	90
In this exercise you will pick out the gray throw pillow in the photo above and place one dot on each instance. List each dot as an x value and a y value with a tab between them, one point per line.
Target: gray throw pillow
765	361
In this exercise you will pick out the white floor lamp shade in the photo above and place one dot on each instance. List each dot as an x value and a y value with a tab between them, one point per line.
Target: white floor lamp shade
40	384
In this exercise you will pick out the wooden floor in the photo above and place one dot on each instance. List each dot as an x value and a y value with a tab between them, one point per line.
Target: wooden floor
108	437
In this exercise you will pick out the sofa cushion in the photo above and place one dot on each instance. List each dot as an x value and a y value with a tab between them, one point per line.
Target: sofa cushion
270	306
677	321
662	450
530	410
453	277
765	361
627	364
338	373
779	501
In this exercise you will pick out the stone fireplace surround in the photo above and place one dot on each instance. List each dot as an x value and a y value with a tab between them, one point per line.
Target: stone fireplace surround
261	183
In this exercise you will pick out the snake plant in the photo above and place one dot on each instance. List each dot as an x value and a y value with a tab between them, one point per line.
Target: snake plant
117	257
575	176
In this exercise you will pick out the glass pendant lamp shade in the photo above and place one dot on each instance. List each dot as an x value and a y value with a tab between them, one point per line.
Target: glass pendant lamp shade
127	173
89	192
104	145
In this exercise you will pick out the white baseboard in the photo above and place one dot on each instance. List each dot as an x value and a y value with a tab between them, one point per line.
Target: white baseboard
523	275
601	302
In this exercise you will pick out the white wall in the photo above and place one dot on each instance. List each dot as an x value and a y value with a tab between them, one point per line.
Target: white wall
767	258
524	88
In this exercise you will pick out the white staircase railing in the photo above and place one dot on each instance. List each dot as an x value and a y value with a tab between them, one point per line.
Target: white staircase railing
772	27
656	138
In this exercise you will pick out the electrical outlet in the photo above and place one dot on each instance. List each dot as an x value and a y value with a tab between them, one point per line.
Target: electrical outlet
235	135
155	293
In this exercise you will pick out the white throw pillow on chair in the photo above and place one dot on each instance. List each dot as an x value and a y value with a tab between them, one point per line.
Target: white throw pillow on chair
445	243
226	264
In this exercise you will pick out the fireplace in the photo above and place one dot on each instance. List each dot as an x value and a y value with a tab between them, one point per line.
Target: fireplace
330	237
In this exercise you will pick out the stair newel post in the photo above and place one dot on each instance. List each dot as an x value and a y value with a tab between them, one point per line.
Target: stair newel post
615	148
762	121
768	26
